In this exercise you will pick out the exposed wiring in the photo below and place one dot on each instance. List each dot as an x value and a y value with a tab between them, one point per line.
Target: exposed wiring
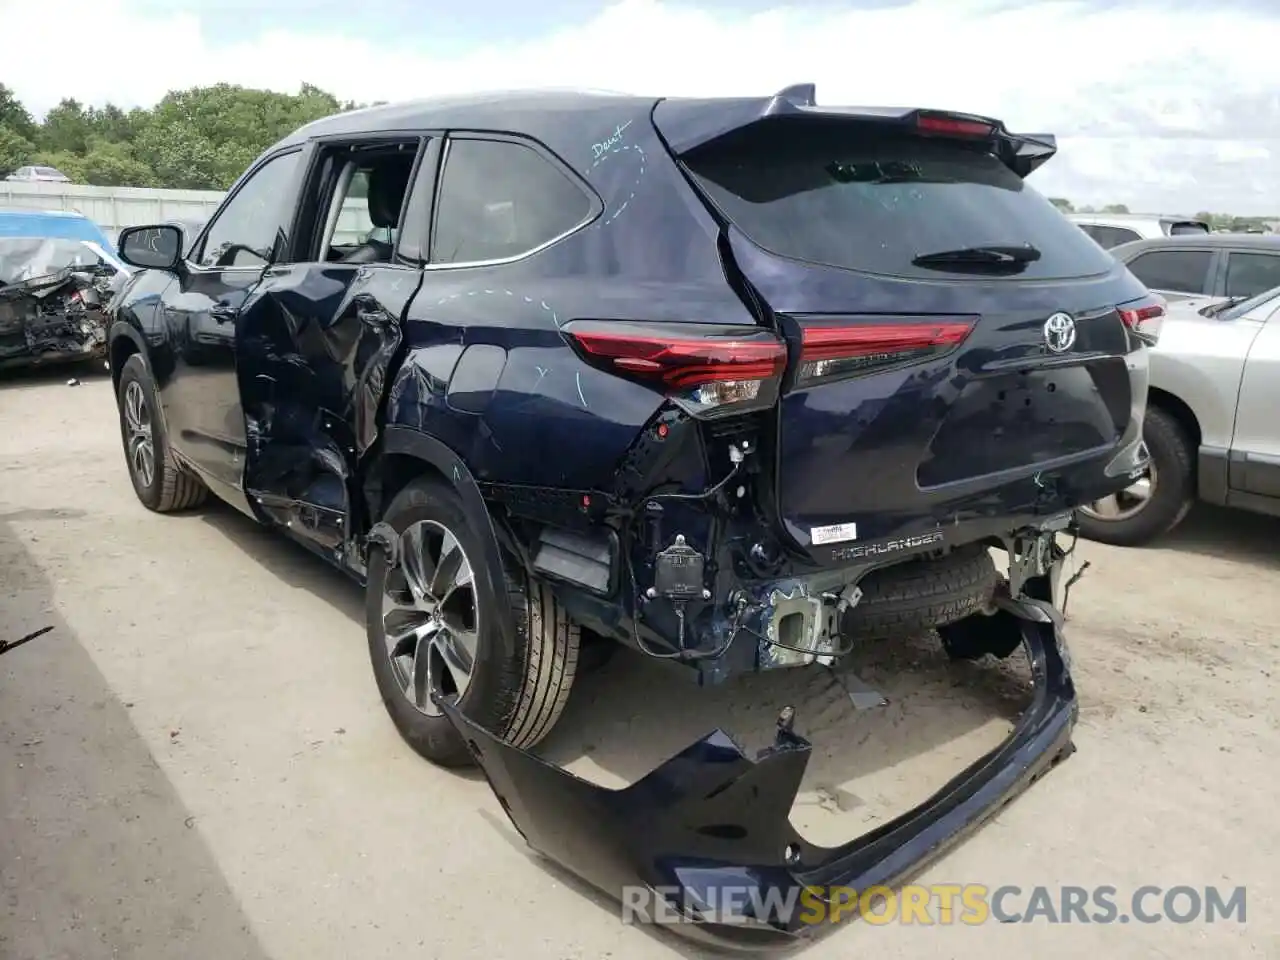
627	541
1075	577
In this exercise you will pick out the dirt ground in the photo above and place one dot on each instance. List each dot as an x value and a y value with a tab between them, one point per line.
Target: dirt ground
195	762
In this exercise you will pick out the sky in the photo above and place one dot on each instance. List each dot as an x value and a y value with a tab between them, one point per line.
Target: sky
1164	105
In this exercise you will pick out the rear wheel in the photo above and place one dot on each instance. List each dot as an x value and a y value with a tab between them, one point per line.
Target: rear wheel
1156	502
431	626
158	481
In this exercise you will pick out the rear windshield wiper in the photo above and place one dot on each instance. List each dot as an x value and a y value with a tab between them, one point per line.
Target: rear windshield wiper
1010	256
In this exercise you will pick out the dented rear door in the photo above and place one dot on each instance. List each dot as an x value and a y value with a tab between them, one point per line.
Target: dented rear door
313	351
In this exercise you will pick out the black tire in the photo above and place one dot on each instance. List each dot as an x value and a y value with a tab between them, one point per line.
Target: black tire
1173	493
517	699
910	599
169	488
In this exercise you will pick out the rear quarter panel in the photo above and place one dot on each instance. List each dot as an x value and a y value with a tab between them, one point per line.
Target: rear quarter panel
487	369
1201	361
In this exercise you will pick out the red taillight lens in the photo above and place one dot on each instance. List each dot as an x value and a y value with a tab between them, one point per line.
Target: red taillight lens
953	126
829	351
706	368
1143	318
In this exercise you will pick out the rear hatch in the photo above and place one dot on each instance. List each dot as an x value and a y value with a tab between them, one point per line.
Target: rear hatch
952	337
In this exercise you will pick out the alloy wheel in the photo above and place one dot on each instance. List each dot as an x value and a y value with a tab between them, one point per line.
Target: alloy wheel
139	444
430	618
1129	502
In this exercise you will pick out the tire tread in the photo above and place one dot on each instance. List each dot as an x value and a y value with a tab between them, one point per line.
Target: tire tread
918	596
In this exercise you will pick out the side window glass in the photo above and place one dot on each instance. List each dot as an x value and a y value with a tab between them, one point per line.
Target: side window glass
1249	274
500	199
1183	271
245	230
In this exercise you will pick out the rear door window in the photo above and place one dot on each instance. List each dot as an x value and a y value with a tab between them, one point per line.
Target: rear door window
1249	274
1182	270
499	200
848	195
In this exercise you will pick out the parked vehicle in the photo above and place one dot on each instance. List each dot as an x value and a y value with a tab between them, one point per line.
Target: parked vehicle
736	383
1112	229
39	174
56	275
1216	265
1211	425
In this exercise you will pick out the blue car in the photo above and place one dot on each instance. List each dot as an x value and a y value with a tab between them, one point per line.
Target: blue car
57	272
737	383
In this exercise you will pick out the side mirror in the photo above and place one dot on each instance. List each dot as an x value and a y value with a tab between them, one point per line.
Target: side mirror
152	247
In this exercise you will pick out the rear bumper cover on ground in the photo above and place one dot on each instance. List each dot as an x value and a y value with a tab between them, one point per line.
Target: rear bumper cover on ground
712	822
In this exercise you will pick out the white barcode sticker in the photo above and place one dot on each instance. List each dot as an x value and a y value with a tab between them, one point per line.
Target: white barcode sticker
836	533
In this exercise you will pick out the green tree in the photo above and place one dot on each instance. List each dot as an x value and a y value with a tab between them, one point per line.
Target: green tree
204	137
114	164
14	116
1062	203
15	150
66	129
1115	208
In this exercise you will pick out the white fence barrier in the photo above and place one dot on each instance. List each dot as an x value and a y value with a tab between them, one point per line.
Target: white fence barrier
114	208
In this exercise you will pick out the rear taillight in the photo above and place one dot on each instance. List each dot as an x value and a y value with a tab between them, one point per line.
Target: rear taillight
840	349
709	370
954	126
1143	318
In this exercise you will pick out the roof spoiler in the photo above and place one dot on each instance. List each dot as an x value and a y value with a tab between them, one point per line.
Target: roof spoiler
687	124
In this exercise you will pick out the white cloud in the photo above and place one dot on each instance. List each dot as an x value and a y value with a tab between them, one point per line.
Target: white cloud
1155	107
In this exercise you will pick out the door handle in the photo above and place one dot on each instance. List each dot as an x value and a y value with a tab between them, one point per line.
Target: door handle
222	313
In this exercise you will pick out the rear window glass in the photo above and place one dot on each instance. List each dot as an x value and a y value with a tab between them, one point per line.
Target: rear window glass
1184	228
1110	236
849	196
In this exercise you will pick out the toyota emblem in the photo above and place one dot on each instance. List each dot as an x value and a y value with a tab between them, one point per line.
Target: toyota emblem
1059	333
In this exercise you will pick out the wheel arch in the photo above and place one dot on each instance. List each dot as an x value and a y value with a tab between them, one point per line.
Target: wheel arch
123	341
1177	408
407	455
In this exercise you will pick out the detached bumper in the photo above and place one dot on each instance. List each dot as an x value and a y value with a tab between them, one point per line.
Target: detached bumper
710	827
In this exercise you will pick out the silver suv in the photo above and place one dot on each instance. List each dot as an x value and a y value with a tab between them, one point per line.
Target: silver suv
1112	229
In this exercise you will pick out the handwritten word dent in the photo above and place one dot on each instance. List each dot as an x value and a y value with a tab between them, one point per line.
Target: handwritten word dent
600	149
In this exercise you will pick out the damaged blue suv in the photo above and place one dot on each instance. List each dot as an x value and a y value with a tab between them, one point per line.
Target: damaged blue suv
738	383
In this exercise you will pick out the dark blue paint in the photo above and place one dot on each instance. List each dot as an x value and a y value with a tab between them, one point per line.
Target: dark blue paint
711	822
